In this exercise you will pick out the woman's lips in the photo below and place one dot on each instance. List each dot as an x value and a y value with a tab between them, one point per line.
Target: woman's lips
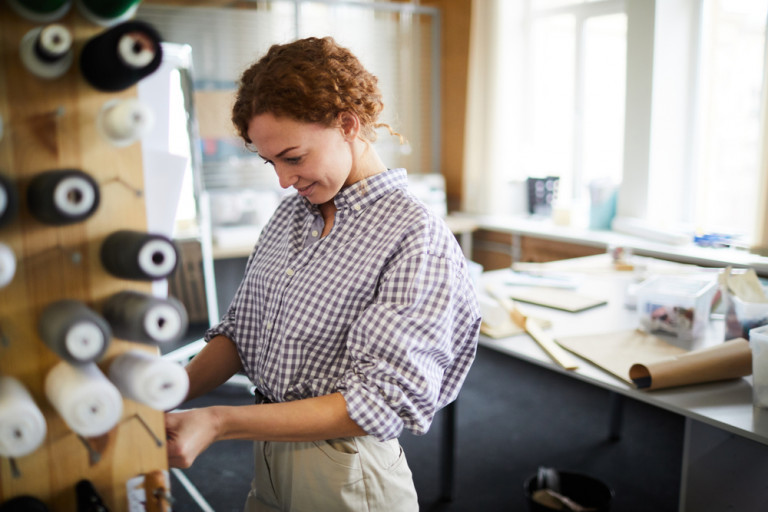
306	191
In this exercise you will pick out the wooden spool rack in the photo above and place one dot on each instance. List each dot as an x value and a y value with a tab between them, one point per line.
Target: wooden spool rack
51	124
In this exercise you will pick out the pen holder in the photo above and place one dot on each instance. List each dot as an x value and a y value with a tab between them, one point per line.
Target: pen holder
741	317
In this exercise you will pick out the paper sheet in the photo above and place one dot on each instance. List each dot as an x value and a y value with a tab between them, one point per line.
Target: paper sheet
616	352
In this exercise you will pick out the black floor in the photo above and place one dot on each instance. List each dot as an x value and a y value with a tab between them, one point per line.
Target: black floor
512	418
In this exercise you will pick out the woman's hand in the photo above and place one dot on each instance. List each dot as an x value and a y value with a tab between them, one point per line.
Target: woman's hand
188	434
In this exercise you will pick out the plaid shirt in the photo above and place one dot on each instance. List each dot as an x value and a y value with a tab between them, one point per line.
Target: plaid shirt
381	309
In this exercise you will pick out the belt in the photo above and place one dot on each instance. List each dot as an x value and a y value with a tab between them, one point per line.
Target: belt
258	398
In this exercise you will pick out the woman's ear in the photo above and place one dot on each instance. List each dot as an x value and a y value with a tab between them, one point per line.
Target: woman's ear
349	124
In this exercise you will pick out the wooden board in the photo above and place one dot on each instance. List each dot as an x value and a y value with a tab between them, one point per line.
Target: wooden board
50	124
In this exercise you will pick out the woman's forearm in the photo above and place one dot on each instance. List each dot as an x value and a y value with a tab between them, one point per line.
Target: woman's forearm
310	419
212	366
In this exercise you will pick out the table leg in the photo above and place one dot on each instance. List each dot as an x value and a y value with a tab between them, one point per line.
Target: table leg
617	416
448	452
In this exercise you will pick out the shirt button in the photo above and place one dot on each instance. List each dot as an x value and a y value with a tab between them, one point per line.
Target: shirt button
356	207
289	272
269	325
314	232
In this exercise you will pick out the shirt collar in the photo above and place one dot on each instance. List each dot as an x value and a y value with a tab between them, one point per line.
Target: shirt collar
360	195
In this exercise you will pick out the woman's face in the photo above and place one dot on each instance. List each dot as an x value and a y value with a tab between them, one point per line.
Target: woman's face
314	159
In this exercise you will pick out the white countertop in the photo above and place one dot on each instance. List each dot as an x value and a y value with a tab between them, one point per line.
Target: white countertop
726	405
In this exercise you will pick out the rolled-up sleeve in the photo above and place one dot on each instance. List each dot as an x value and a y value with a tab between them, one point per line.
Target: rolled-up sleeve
413	347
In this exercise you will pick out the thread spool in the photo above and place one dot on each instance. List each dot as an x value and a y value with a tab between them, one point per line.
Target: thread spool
22	425
9	200
108	12
64	196
74	332
121	56
23	504
139	256
47	51
7	265
123	122
85	399
149	379
41	11
136	316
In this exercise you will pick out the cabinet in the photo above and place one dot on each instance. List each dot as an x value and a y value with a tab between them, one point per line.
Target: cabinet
496	249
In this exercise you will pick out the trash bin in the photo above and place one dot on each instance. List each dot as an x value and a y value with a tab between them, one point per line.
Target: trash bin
589	492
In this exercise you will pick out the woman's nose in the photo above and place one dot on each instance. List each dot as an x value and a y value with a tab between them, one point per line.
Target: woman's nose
286	178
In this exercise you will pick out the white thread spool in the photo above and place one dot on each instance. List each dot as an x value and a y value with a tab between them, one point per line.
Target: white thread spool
148	379
84	398
22	425
123	122
7	265
47	51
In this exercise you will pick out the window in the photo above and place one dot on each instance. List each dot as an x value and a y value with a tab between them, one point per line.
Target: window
663	97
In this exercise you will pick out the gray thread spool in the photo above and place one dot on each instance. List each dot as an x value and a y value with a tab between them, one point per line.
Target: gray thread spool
73	331
139	256
40	12
9	201
63	196
47	52
136	316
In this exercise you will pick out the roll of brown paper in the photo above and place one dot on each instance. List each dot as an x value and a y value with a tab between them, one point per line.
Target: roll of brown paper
729	360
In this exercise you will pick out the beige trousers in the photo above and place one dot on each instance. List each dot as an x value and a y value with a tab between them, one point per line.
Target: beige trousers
357	474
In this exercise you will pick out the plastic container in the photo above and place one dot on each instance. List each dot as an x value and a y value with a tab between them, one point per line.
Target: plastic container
583	489
676	305
759	343
741	316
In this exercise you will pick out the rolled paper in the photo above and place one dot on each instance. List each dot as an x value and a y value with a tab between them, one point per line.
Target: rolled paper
22	425
139	256
47	51
74	332
64	196
136	316
85	399
729	360
123	122
149	379
41	11
121	56
9	201
7	265
108	12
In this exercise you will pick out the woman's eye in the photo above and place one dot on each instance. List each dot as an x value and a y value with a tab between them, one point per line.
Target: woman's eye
270	162
293	160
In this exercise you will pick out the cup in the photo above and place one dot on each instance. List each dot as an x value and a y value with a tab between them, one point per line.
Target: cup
758	341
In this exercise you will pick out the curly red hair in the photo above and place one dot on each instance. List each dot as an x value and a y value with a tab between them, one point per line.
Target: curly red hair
309	80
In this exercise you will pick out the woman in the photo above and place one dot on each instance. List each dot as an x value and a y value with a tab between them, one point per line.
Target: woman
355	318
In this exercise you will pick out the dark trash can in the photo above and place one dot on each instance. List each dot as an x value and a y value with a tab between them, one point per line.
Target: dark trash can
585	490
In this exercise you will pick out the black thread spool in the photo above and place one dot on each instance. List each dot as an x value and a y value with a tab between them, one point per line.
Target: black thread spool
9	200
136	316
74	332
47	51
121	56
63	196
23	504
139	256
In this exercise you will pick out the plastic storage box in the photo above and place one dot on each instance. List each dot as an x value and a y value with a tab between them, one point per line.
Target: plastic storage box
676	305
